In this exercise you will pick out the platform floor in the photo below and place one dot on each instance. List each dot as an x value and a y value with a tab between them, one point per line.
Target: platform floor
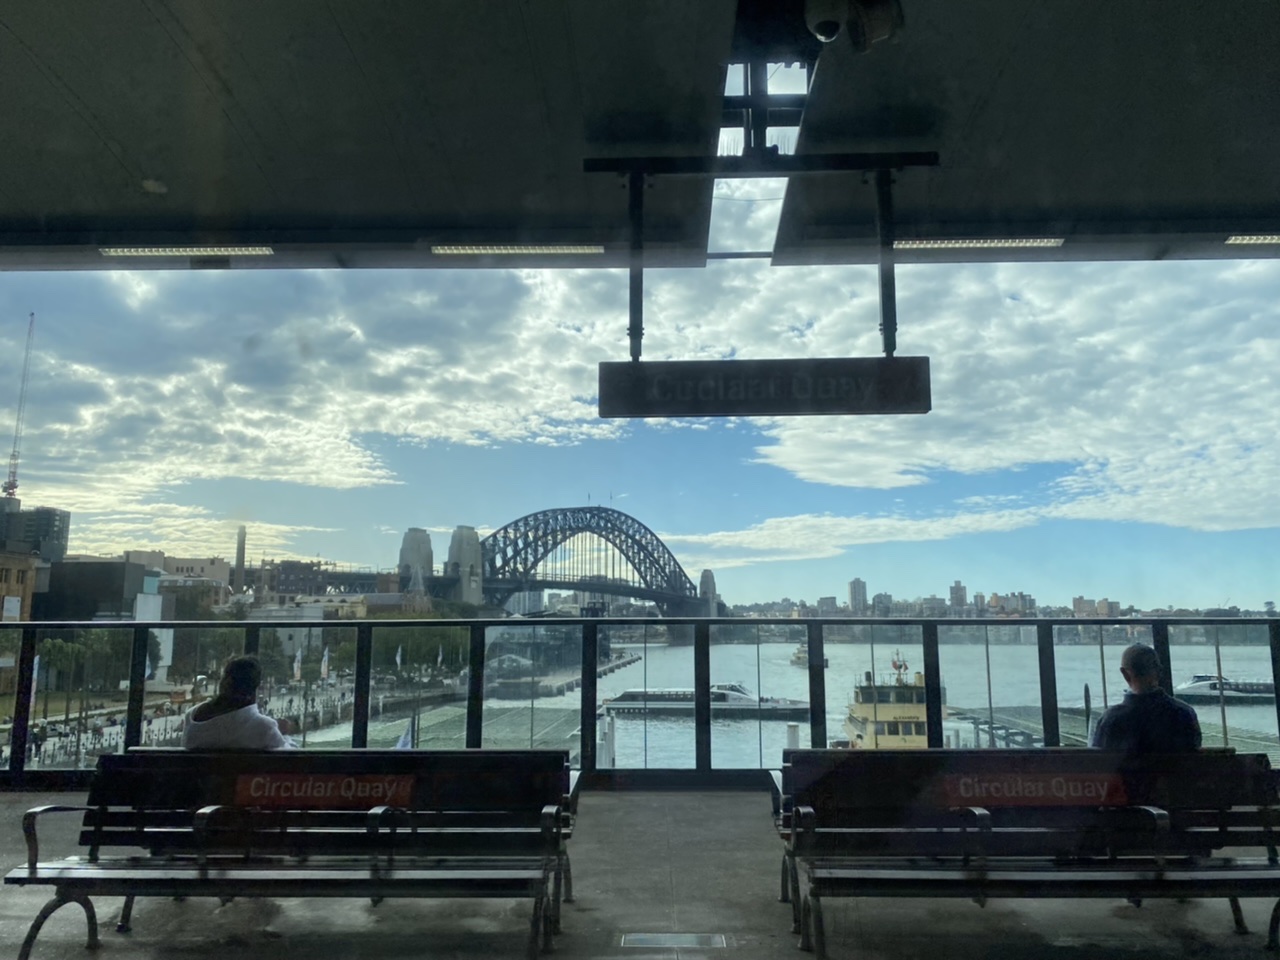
643	862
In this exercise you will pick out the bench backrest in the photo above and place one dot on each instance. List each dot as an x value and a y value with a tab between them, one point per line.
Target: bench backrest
149	797
867	787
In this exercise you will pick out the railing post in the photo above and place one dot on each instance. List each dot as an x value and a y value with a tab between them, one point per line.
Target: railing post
1160	641
588	688
475	688
252	640
1048	686
361	694
817	688
702	695
137	687
1273	634
932	686
19	735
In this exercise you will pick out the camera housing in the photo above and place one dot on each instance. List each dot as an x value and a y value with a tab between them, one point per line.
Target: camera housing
826	18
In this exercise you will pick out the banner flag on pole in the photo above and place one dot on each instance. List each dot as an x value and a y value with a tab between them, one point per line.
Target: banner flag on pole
399	652
147	675
324	665
297	665
35	682
406	739
439	655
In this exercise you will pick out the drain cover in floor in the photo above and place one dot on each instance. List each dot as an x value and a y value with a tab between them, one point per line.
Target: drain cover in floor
673	940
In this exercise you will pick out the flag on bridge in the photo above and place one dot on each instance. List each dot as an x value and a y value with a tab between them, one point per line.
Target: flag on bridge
324	665
297	665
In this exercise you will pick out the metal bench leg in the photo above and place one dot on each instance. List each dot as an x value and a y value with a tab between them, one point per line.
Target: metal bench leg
48	910
547	943
806	942
1273	929
536	924
557	888
794	878
568	879
1237	915
126	913
784	896
819	931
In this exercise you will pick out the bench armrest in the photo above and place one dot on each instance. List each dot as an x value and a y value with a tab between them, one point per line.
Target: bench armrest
775	790
571	798
29	828
981	821
1160	817
803	819
552	823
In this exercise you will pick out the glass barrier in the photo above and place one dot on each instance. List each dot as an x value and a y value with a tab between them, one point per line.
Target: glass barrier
759	691
991	678
1224	672
875	687
418	688
646	704
1087	666
533	688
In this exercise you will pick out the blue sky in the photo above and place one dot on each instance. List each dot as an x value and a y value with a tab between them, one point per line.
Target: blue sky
1098	429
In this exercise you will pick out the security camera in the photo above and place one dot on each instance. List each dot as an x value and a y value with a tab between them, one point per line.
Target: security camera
825	18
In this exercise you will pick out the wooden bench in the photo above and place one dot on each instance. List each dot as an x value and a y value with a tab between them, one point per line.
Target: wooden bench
982	824
350	823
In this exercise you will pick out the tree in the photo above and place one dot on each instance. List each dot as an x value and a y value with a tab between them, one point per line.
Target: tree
1270	607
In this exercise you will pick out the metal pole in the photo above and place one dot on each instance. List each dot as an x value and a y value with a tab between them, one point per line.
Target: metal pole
1048	686
475	689
702	695
22	703
888	288
635	212
933	706
1273	636
991	710
1222	702
589	690
1160	641
1102	663
137	688
817	687
360	693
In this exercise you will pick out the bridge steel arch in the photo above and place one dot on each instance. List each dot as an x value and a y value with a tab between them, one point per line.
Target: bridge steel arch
511	554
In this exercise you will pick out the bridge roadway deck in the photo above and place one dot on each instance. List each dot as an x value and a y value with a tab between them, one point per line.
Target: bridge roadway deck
662	862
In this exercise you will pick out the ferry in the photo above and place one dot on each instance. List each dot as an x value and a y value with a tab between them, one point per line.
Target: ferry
889	715
728	701
1210	688
801	657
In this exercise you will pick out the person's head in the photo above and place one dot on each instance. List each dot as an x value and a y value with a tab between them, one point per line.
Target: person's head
1140	668
240	678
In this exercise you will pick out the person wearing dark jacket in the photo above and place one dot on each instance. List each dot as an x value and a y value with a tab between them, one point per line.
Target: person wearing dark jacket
1148	720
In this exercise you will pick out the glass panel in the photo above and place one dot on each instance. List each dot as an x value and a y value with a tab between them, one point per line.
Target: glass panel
418	698
1087	665
533	688
875	678
81	691
622	667
647	707
991	678
763	678
1238	711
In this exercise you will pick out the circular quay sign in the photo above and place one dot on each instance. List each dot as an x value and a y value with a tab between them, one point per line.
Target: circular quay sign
765	388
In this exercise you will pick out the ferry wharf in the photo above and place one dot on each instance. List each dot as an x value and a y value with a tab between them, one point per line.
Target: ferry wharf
657	874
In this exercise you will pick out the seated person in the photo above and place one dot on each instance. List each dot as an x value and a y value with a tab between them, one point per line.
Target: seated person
231	721
1148	720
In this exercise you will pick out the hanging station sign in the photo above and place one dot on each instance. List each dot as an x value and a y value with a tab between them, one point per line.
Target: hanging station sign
765	388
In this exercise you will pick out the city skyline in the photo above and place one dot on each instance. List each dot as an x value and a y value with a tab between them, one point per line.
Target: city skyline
1097	429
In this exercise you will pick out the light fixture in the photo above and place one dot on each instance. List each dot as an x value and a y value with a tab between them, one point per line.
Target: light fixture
186	251
1255	238
978	244
513	249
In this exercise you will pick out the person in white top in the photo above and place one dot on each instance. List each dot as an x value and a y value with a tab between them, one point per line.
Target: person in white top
231	721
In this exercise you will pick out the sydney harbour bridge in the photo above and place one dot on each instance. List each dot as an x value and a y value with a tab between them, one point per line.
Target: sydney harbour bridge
596	551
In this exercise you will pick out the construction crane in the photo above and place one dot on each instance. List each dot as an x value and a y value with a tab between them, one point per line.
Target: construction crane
10	486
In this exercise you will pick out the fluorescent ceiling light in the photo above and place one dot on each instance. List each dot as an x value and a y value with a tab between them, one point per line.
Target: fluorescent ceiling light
975	244
186	251
1255	238
474	249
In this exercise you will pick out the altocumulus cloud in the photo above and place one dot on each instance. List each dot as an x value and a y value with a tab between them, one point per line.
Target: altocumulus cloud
1152	388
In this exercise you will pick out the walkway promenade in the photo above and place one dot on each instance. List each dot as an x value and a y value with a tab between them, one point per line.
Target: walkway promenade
644	863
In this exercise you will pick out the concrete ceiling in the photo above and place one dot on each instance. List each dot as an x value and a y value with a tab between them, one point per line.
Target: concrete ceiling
1142	129
362	134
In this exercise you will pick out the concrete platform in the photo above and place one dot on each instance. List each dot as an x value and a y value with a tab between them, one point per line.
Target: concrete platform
653	862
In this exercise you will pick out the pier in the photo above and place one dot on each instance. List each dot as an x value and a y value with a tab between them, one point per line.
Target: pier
554	684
